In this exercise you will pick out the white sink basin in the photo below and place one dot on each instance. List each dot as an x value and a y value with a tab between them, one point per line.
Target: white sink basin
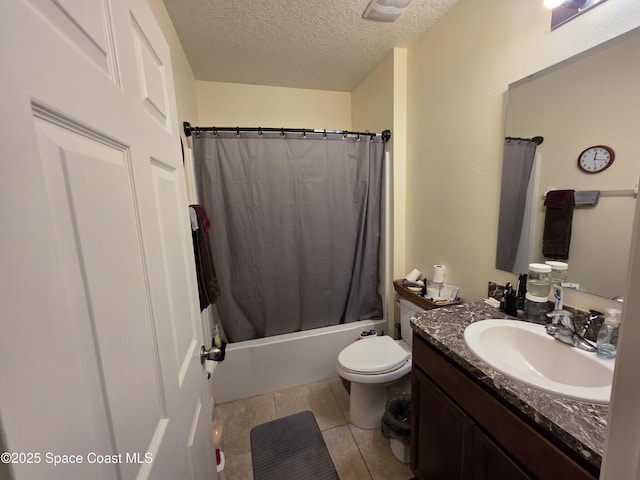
525	352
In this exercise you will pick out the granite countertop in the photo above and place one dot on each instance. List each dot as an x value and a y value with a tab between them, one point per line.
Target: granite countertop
579	425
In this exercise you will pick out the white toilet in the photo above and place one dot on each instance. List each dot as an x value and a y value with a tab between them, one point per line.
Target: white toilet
372	365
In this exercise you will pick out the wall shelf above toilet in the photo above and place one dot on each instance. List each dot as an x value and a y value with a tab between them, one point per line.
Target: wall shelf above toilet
418	300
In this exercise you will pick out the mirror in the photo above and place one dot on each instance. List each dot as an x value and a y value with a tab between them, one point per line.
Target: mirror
591	99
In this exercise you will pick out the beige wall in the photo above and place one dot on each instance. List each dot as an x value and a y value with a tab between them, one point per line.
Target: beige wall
232	104
399	167
458	74
372	99
622	458
379	103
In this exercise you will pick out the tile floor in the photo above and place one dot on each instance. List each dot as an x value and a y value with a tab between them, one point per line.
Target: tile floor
357	454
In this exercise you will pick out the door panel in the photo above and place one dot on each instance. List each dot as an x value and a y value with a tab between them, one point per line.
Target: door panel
86	24
101	325
102	223
183	322
152	74
490	462
442	434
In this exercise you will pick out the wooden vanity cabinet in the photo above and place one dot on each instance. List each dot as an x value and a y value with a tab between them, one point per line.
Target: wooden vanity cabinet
460	432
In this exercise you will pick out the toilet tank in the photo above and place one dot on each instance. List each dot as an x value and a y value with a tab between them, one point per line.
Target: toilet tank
407	309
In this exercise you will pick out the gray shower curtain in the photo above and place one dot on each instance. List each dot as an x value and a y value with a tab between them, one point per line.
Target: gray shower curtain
295	228
516	169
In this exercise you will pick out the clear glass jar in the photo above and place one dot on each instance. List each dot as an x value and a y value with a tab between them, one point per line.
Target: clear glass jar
535	309
559	271
539	279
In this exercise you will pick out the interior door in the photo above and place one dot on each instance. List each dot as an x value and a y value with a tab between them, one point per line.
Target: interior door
100	375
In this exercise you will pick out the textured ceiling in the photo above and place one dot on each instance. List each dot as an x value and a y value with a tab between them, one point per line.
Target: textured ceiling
323	44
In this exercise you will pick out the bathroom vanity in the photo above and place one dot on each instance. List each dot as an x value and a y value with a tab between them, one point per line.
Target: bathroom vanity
471	422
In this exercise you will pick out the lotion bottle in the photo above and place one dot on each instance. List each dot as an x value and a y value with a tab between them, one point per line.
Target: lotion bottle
607	342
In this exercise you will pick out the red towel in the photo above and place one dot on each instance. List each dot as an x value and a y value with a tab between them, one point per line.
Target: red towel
203	219
558	198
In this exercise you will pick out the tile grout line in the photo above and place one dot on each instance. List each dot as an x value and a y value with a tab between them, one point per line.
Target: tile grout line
346	420
360	451
348	423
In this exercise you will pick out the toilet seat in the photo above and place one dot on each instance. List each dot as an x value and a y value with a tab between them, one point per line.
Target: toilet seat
373	356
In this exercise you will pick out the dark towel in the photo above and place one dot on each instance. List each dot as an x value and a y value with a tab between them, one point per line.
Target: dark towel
208	287
557	224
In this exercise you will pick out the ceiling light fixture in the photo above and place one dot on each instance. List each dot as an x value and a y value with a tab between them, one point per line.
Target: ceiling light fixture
385	10
572	4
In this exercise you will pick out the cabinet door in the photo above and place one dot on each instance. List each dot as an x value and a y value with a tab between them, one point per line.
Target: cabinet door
490	462
441	434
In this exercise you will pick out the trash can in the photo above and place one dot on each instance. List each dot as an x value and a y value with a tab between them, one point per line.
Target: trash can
396	424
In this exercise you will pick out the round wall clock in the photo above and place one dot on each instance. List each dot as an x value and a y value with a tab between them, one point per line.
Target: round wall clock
596	159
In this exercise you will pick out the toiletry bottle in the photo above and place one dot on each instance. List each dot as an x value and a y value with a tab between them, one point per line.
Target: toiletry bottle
607	342
557	296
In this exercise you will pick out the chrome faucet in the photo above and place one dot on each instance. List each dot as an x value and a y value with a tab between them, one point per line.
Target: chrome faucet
561	327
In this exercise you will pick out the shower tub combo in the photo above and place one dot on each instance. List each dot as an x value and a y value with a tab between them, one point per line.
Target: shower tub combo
267	364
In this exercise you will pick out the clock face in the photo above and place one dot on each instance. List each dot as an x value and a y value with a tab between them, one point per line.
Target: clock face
596	159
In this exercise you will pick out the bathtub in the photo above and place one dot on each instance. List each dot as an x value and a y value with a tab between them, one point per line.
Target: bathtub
268	364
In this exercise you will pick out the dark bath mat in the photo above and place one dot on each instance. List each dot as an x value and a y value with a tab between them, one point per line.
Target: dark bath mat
291	448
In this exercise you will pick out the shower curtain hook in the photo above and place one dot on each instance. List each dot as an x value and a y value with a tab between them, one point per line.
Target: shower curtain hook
358	138
324	135
282	131
260	131
215	132
304	133
237	131
344	136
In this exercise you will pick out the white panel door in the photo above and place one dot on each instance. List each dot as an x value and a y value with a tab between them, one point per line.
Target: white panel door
100	375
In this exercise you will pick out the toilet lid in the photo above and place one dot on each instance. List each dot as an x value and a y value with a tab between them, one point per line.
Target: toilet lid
373	355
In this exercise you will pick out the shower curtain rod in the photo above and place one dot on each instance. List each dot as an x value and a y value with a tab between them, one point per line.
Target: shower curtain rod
188	130
537	140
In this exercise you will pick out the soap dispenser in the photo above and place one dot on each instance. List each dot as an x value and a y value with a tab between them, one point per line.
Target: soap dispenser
607	342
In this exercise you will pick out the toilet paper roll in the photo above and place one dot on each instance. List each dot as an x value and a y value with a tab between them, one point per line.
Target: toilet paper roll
438	274
209	367
413	275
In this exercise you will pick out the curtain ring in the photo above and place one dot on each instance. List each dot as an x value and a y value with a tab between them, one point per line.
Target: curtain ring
344	135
